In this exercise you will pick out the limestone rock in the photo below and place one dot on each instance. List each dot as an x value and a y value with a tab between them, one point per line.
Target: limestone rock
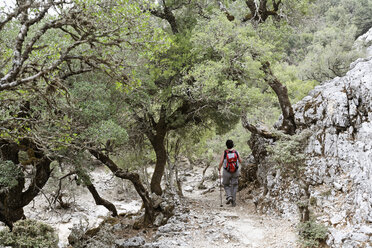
156	199
188	188
339	115
365	41
130	243
159	219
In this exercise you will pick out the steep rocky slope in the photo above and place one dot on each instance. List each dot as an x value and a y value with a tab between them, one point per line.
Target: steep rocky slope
339	115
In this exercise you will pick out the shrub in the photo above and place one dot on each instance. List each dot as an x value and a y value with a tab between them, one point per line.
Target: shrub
312	234
102	236
29	233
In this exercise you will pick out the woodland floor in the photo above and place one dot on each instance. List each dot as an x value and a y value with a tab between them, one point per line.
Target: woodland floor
209	224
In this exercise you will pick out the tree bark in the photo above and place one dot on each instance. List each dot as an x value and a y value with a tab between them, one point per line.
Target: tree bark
157	139
262	131
100	201
13	200
135	179
41	177
161	159
168	16
260	12
97	198
288	125
201	184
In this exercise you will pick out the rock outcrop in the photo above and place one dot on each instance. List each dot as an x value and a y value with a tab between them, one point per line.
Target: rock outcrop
339	114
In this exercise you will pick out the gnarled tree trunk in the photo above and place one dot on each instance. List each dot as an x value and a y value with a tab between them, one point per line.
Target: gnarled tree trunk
161	160
14	199
288	125
97	198
135	179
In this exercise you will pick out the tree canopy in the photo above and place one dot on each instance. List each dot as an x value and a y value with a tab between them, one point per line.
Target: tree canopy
113	77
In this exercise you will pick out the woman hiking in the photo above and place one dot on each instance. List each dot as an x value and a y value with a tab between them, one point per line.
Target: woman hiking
230	161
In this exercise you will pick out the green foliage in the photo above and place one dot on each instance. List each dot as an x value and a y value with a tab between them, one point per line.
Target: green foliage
330	54
297	88
100	113
278	36
344	13
194	143
134	158
312	234
105	131
9	173
140	69
323	45
229	57
288	153
29	234
93	100
120	35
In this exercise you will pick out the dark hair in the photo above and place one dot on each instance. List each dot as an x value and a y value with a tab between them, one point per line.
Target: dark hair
229	144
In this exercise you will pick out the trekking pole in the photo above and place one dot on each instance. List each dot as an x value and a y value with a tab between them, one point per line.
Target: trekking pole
220	188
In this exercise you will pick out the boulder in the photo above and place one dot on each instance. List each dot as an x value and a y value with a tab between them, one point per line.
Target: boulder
339	166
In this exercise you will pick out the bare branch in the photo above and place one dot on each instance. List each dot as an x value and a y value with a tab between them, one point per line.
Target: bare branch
288	125
262	131
226	12
167	15
60	185
98	199
15	13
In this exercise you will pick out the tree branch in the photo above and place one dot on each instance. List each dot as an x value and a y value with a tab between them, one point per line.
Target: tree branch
14	14
260	13
134	178
168	16
97	198
60	185
226	12
262	131
288	125
41	177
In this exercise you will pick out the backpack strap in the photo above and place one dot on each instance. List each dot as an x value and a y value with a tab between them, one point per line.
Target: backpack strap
230	151
237	154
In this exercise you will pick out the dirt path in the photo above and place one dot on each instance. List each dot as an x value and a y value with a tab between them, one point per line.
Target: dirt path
204	224
240	226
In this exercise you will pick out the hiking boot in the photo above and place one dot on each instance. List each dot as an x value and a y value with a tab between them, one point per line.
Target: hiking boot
229	200
233	204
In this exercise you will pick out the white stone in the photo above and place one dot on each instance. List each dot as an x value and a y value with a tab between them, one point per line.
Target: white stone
338	236
337	186
360	237
188	188
336	219
366	230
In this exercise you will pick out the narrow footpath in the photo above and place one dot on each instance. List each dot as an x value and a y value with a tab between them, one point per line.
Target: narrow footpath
210	225
199	221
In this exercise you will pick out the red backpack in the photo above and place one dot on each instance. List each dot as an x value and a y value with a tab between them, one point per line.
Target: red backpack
231	160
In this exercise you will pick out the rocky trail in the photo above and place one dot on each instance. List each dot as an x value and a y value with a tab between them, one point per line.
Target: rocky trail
236	227
199	221
214	226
